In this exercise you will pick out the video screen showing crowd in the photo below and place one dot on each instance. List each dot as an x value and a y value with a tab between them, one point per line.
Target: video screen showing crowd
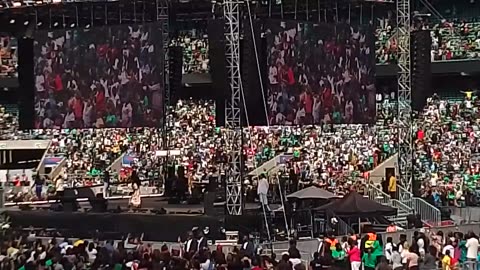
104	77
320	74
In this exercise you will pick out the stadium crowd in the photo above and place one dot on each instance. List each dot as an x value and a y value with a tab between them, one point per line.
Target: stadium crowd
454	38
429	251
86	80
448	150
319	78
336	155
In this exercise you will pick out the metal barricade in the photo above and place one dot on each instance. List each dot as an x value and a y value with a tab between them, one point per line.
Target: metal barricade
429	214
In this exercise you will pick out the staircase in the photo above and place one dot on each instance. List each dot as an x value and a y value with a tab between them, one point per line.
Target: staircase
271	164
403	210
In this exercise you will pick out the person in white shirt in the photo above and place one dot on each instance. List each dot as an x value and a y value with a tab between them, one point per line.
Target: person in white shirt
262	191
389	246
472	247
449	247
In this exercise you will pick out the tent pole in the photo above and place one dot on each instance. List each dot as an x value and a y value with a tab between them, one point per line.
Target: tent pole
359	228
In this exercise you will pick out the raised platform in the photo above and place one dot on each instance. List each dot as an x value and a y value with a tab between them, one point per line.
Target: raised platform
178	220
166	227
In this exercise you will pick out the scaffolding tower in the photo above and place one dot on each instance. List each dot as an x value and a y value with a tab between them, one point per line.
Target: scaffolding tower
162	19
233	185
404	120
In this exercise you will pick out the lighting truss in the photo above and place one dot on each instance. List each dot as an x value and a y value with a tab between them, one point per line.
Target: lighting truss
234	204
405	138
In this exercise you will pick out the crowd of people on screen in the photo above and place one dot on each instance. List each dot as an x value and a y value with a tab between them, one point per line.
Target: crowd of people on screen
319	74
8	56
426	250
86	79
195	52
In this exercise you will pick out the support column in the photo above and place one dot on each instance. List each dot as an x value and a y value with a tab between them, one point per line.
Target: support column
405	132
234	177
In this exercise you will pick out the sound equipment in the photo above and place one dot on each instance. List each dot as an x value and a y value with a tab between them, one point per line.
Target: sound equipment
212	184
161	211
175	55
99	204
216	53
421	44
69	204
208	204
26	79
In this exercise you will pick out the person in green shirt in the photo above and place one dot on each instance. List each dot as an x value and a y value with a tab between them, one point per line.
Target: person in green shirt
369	260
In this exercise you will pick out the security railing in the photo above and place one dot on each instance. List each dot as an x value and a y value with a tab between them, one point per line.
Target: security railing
343	228
403	194
429	214
401	206
377	195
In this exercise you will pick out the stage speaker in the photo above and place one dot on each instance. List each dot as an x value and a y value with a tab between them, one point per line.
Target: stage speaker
26	78
175	55
216	53
421	44
252	83
208	204
212	184
98	204
69	204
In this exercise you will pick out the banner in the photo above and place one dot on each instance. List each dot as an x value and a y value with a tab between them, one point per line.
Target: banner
128	160
52	161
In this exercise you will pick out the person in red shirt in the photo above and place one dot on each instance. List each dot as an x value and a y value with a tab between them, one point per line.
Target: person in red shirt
78	107
354	255
420	135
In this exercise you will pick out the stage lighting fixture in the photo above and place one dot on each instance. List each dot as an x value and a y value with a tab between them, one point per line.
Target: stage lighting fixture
87	26
55	24
39	2
56	1
72	25
26	23
39	24
12	21
17	4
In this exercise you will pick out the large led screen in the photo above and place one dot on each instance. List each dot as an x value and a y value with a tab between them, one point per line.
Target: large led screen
319	73
105	77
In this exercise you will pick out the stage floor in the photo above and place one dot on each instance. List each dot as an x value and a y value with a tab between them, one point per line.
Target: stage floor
152	203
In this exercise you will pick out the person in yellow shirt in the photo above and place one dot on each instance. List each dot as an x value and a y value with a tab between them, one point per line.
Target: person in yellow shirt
392	186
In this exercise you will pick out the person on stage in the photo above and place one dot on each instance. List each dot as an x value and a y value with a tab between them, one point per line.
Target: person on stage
135	200
106	184
59	187
262	191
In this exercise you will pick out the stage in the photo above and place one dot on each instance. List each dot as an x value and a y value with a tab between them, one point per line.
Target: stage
176	220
